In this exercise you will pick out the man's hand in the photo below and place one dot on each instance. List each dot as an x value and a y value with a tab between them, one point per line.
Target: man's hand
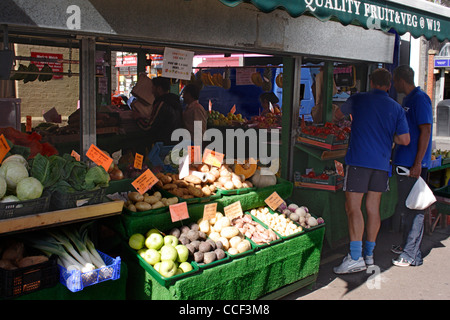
415	170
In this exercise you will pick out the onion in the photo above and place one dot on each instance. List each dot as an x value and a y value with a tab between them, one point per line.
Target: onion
116	174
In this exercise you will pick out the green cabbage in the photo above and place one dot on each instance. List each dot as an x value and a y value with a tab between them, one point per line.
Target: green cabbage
3	187
13	172
10	199
29	188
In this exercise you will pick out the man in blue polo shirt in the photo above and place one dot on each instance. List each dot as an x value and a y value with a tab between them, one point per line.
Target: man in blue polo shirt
377	122
417	158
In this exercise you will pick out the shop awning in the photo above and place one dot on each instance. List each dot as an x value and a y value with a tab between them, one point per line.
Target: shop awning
418	17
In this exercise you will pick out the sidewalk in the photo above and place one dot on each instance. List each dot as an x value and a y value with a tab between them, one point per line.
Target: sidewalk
430	281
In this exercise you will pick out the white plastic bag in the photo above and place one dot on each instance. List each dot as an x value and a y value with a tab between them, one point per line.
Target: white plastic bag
420	197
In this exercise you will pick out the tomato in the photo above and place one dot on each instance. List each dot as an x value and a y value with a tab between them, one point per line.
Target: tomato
311	174
323	176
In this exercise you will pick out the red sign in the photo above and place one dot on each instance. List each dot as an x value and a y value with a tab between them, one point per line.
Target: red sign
56	66
126	61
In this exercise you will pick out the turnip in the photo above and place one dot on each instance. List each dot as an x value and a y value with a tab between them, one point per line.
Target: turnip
301	212
292	207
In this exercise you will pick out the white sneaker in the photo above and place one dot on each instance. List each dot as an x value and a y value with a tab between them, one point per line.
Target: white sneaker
369	260
349	265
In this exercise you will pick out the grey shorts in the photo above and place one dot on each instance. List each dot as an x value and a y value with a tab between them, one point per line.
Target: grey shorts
361	180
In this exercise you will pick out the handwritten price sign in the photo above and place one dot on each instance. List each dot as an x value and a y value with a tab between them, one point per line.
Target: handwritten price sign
4	147
179	211
213	158
274	201
209	211
99	157
233	210
145	181
138	160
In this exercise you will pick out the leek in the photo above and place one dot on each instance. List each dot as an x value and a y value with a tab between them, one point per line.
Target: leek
96	258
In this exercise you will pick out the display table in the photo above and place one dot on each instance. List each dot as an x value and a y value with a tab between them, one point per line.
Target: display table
250	277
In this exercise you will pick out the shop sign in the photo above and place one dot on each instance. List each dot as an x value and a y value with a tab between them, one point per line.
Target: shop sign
126	61
441	62
56	66
244	76
177	64
370	13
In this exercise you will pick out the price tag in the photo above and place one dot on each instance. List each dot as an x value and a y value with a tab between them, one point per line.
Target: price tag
28	124
274	201
339	168
209	211
99	157
145	181
213	158
209	106
138	160
179	211
195	154
75	155
233	109
4	147
234	210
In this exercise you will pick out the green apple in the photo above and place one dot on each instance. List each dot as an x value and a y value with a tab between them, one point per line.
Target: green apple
168	268
170	239
183	253
168	252
136	241
157	265
142	251
149	232
152	256
185	266
154	241
179	271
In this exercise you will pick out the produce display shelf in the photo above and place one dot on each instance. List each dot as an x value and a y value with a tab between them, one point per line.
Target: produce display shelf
323	145
307	185
53	218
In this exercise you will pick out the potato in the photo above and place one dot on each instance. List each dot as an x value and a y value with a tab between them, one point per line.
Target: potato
181	183
209	257
193	179
233	251
143	206
225	243
237	183
132	207
169	186
197	193
176	192
198	256
229	232
165	179
135	196
210	178
204	226
214	236
243	246
203	168
235	241
215	172
229	185
204	247
225	222
157	205
224	180
172	200
158	195
187	196
220	254
150	199
206	191
212	188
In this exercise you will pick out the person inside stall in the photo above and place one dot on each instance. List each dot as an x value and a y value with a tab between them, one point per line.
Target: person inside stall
166	115
194	114
266	99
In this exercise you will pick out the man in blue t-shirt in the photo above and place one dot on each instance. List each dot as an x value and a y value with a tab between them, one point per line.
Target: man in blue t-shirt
417	158
377	122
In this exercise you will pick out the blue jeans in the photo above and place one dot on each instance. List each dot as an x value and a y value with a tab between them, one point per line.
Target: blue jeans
412	221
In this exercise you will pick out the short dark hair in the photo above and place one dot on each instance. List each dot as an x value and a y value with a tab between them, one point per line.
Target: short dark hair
381	77
405	72
162	82
193	90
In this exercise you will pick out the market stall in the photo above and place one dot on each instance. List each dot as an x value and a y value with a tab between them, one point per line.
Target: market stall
265	270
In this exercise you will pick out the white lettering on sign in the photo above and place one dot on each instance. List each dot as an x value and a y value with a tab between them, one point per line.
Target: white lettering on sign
375	14
74	20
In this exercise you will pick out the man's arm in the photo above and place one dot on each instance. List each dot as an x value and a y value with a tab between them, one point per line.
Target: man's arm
402	139
424	138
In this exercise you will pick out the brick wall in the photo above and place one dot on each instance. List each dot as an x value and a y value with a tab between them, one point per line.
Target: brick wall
39	97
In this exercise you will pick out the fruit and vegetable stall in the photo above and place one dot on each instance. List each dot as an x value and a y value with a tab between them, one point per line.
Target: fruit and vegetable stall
174	237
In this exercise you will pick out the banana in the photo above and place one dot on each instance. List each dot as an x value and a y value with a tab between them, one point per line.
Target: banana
279	80
257	79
